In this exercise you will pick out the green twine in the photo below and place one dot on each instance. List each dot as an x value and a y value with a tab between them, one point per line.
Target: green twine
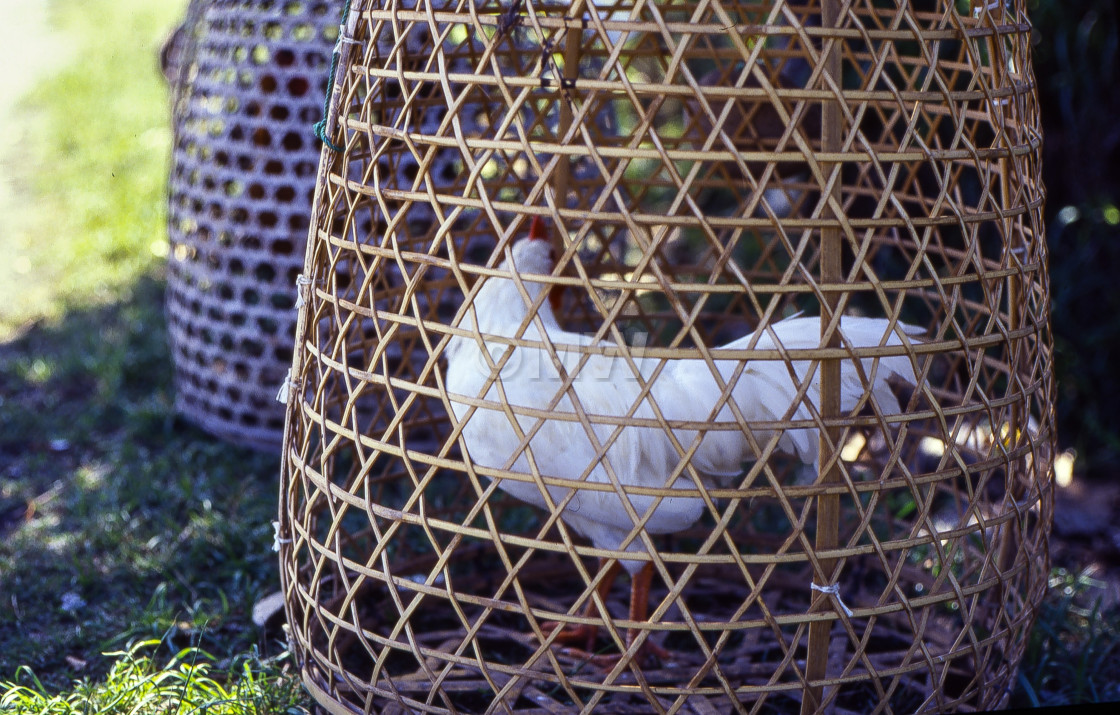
321	126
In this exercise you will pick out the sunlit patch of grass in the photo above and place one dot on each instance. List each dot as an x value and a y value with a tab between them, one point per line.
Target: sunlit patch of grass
93	165
190	682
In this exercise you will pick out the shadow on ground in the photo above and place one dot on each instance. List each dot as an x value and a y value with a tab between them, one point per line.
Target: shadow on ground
117	519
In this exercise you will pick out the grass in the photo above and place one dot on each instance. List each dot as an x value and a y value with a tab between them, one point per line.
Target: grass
119	523
188	683
96	141
1073	655
132	546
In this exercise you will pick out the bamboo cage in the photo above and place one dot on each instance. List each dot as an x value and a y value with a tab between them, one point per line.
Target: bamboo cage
704	169
247	79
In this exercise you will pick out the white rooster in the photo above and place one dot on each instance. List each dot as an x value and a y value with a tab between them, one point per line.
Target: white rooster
606	390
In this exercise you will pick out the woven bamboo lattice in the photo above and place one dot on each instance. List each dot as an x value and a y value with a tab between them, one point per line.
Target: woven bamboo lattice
703	169
247	80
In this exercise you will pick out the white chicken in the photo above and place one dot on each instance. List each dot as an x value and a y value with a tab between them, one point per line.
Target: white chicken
606	389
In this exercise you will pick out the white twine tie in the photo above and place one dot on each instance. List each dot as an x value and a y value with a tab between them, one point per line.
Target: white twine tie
989	7
285	388
832	590
276	540
302	284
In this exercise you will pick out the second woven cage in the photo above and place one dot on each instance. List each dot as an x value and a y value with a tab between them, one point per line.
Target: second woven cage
704	170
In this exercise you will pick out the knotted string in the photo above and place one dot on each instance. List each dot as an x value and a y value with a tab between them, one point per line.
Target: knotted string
321	126
832	590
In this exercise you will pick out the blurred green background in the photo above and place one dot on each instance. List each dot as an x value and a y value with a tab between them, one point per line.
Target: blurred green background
1078	71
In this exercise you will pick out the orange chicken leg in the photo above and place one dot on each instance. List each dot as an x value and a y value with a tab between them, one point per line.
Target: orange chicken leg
580	640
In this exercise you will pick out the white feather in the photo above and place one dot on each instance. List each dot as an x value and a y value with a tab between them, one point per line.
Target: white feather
606	388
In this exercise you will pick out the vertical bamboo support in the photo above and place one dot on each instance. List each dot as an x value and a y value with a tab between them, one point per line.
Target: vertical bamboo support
828	506
1016	420
999	79
1015	479
572	52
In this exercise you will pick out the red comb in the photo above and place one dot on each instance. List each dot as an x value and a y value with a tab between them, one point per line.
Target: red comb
538	230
